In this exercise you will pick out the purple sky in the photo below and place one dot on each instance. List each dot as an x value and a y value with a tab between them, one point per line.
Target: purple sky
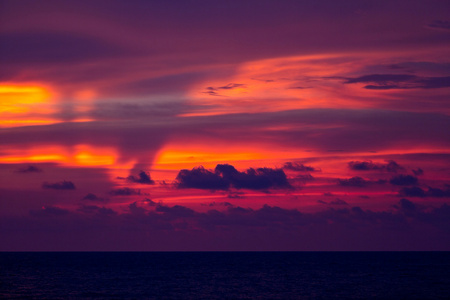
242	125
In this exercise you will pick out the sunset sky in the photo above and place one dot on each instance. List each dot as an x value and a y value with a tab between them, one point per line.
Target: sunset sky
236	125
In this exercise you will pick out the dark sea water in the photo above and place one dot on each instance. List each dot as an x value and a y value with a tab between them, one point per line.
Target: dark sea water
225	275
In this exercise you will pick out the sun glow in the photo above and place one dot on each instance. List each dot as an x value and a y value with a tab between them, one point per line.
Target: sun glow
77	156
25	105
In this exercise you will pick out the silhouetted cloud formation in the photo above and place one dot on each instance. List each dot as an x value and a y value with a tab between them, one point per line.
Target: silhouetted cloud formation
419	192
354	181
391	166
125	192
29	169
337	201
93	197
226	176
263	228
200	178
63	185
403	180
96	210
418	172
50	211
144	178
400	81
299	167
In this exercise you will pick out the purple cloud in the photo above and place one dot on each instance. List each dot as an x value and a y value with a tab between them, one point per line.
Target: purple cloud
403	180
63	185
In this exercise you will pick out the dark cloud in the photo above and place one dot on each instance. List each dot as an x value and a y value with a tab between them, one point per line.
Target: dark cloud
236	195
391	166
176	211
407	205
200	178
144	178
354	181
149	202
97	210
419	192
125	192
50	211
400	81
403	180
441	68
63	185
409	227
337	201
418	172
134	209
440	24
29	169
304	177
254	179
382	79
414	191
226	176
214	203
93	197
214	91
299	167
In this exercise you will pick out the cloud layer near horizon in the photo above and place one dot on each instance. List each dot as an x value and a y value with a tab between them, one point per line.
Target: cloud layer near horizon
407	226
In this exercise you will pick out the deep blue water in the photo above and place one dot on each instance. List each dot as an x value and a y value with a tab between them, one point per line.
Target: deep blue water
225	275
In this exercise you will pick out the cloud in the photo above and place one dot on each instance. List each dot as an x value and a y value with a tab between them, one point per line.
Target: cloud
440	25
63	185
134	209
354	181
144	178
408	227
337	201
97	210
226	176
407	205
403	180
93	197
299	167
200	178
149	202
254	179
214	203
383	79
50	211
125	192
400	81
418	172
213	91
391	166
414	191
419	192
29	169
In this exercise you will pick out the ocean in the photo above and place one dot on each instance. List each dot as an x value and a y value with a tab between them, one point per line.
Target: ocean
225	275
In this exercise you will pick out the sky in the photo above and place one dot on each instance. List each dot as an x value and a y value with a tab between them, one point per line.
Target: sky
224	126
